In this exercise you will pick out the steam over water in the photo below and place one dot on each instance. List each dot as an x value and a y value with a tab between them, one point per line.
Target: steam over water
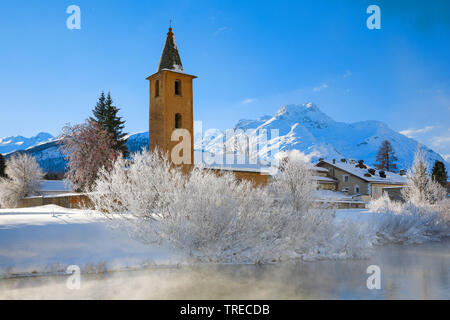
407	272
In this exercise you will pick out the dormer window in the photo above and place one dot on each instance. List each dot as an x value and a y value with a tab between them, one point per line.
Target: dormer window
178	87
157	88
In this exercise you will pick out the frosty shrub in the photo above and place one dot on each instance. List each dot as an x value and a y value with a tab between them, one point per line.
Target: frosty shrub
210	217
24	174
216	218
424	214
9	193
307	227
384	204
409	222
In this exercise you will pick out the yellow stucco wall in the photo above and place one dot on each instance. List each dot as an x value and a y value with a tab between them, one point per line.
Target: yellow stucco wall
256	178
377	188
164	108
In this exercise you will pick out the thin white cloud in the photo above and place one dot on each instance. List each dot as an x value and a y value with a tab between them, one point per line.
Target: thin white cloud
248	101
321	87
220	30
410	133
440	141
347	73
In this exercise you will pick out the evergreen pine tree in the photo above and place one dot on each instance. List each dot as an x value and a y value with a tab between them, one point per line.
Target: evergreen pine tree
105	114
2	166
386	157
439	173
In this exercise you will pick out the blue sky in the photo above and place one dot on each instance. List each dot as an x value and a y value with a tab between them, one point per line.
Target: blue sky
251	57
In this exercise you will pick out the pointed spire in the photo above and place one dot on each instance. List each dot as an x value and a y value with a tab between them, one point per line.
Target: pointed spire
170	58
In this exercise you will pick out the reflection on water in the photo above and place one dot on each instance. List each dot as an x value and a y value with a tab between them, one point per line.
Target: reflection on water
407	272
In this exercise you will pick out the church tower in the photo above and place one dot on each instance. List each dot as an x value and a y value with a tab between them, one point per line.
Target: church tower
171	103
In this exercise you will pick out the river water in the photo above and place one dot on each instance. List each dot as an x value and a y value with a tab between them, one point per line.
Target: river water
407	272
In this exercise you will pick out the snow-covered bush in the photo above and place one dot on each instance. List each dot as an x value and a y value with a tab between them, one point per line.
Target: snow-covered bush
24	174
216	218
408	222
384	204
9	193
211	217
423	216
311	228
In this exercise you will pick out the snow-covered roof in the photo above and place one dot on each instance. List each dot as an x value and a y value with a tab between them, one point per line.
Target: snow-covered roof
170	58
391	178
54	185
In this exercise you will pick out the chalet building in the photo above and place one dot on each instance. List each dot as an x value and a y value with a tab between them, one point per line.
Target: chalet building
355	178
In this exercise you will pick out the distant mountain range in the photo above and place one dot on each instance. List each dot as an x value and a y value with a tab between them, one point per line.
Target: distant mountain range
47	152
10	144
307	129
301	127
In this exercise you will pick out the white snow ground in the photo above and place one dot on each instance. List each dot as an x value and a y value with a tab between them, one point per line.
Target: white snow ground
49	238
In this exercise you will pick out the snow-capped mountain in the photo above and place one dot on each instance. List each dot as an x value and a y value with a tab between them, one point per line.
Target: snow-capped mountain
300	127
307	129
51	159
11	144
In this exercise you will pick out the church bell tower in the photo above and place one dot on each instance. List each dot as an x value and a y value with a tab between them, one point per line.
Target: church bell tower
171	104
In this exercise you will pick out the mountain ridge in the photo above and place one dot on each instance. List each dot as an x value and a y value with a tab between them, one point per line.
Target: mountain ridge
306	128
303	127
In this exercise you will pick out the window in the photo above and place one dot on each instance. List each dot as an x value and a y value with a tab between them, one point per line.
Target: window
345	178
178	87
157	88
177	121
375	190
357	189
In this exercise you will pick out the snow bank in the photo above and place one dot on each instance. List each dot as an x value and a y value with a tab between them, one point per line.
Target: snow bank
47	239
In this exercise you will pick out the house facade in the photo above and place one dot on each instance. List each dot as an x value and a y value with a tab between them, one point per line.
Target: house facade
359	179
323	179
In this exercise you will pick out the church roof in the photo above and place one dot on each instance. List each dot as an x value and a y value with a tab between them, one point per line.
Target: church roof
170	58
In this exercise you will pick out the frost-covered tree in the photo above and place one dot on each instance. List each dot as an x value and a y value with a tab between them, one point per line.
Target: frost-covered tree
386	157
88	148
105	114
24	174
295	182
439	173
421	188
